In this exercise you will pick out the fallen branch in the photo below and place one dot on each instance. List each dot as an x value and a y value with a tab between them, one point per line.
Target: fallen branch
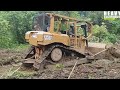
72	70
96	56
71	63
100	52
15	71
6	72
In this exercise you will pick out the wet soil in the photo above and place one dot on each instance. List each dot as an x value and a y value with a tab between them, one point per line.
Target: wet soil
108	67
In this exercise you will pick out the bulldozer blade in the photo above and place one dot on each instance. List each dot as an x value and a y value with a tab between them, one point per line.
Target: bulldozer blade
96	50
95	47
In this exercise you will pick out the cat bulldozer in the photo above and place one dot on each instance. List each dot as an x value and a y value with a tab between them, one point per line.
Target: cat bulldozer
54	36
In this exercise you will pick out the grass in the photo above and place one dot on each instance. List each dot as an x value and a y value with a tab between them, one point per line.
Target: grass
21	74
19	48
59	66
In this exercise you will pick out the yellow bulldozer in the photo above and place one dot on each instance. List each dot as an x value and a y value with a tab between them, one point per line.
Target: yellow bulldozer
54	35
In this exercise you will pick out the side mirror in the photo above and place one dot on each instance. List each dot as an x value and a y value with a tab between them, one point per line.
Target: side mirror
83	26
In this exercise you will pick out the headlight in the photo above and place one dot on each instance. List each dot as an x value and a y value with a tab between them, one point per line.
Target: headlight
34	35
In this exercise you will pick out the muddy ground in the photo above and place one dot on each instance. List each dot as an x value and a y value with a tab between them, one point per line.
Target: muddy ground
108	67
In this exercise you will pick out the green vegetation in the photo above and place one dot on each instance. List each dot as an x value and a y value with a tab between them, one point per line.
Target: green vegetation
59	66
19	48
20	75
14	25
101	34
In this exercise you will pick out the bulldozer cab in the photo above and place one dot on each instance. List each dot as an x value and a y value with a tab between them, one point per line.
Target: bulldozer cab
79	34
41	22
63	25
78	31
59	26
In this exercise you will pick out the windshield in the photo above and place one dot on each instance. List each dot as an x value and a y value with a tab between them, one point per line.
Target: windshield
41	22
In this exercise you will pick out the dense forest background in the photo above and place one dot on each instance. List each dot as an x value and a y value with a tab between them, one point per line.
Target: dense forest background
14	25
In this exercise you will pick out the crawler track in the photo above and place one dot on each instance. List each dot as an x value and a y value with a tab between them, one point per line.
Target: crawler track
43	58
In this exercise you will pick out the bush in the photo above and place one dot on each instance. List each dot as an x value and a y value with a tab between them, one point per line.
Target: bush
101	34
5	34
13	26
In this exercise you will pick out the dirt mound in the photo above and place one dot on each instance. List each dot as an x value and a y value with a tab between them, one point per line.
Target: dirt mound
102	63
111	52
115	50
8	56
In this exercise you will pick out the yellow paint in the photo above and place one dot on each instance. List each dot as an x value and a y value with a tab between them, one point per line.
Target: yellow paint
37	38
58	38
51	24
